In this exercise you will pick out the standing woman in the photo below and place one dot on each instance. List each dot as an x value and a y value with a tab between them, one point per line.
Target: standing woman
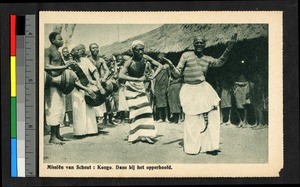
199	100
140	112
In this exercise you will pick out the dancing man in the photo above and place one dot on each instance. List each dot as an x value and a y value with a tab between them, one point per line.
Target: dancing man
140	113
199	100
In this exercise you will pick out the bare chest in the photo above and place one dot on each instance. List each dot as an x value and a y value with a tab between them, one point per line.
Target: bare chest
55	58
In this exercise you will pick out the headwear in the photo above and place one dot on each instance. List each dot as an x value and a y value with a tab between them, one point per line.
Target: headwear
137	42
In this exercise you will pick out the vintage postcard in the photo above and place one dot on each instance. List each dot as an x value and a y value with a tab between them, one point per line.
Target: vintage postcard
160	94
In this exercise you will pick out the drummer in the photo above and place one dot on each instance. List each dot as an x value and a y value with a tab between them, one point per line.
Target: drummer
54	98
84	121
103	73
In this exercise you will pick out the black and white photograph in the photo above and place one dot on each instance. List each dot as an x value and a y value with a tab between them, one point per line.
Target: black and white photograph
160	94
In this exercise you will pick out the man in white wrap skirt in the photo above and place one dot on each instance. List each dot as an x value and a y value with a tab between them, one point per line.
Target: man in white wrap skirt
199	100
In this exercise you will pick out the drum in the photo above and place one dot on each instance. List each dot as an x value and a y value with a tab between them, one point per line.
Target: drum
55	73
110	86
98	100
65	82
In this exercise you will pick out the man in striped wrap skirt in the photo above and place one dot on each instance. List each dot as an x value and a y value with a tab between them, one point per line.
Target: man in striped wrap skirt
198	99
140	112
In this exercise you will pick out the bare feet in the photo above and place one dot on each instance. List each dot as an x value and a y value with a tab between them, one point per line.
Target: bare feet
229	124
148	140
213	153
240	125
246	125
259	126
160	121
61	138
56	141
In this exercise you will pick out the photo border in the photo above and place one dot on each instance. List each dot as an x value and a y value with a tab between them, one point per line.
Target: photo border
275	129
290	172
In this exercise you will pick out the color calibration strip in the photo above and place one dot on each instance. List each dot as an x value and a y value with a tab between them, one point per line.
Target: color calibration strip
13	96
23	117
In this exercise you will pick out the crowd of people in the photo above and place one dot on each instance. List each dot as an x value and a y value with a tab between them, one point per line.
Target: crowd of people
141	91
244	102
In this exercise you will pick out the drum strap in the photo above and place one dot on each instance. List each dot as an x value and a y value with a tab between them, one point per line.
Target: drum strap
80	74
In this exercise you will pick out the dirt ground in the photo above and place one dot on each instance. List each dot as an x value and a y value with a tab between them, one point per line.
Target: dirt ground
238	145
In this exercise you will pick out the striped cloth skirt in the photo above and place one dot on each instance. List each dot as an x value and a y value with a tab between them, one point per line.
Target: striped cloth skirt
140	112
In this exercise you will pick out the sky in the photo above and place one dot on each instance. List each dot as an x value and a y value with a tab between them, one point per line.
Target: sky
103	34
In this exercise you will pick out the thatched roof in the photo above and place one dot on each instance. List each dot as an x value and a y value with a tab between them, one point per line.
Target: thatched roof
179	37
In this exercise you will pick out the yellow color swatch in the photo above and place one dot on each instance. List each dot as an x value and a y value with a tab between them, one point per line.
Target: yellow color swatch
13	76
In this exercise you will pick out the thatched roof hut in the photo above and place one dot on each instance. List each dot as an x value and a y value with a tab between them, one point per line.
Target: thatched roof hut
249	55
179	37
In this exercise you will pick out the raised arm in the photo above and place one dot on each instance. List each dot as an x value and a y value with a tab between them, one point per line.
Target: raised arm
176	71
221	61
155	63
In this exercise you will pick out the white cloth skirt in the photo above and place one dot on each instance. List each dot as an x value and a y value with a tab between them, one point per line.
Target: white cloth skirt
196	100
123	106
194	141
84	120
54	106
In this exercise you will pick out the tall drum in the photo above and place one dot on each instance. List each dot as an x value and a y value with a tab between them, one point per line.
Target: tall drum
65	82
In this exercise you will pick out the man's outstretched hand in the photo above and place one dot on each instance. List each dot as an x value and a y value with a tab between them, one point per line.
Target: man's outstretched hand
232	41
